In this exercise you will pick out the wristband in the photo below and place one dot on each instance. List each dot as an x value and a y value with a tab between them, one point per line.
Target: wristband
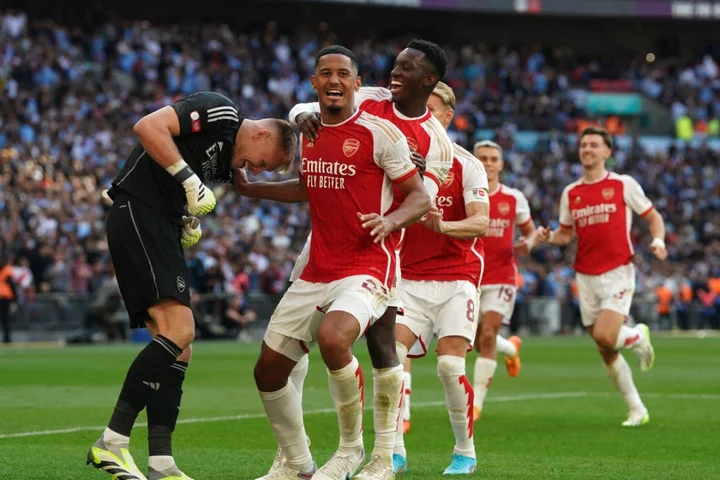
180	170
658	242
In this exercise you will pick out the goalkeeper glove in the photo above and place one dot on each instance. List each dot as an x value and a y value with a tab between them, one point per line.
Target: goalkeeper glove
191	232
200	199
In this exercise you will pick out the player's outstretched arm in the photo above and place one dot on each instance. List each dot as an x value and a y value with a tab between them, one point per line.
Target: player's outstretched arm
561	236
475	225
657	230
289	191
528	239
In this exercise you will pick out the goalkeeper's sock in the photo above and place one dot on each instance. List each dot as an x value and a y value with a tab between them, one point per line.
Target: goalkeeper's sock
146	374
163	410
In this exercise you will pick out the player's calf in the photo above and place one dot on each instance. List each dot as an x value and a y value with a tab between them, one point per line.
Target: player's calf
282	401
459	394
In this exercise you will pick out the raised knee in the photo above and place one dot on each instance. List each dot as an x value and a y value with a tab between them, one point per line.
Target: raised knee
604	340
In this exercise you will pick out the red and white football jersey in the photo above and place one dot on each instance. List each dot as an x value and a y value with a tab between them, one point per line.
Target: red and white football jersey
508	208
601	213
351	168
428	255
425	134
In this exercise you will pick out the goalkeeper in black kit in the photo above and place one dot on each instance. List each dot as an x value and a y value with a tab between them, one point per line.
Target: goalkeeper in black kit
157	196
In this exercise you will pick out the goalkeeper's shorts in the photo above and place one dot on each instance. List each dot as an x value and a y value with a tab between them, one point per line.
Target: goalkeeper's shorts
148	258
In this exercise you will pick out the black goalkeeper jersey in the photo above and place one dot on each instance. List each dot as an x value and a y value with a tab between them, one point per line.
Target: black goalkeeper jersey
208	126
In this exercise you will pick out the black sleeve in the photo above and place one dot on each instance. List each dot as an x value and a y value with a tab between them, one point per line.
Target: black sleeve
205	112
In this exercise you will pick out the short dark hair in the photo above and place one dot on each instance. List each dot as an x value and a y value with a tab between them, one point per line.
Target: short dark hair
340	50
289	143
434	55
594	130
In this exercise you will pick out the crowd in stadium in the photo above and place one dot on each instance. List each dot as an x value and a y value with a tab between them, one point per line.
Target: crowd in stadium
69	101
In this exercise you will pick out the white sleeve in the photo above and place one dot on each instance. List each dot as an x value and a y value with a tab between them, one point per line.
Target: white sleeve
635	196
440	155
393	156
364	93
391	150
372	93
313	107
522	209
475	182
566	218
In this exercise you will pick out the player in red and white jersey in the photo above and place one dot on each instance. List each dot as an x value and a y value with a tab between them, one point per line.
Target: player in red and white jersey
417	70
442	264
508	209
347	175
598	208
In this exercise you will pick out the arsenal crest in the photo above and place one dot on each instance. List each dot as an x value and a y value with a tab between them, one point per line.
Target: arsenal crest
351	146
504	208
449	180
413	144
577	199
608	193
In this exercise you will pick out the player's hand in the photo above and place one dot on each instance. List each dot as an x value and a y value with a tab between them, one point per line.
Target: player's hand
657	247
191	232
200	199
309	125
433	220
380	227
542	235
419	162
240	180
522	247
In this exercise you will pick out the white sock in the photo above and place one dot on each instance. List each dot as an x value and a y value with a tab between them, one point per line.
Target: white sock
347	387
161	462
628	337
284	411
298	374
459	401
407	379
111	437
482	377
504	346
620	374
399	446
387	399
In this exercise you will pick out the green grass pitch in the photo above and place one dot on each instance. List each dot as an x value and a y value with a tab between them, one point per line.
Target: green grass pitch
560	419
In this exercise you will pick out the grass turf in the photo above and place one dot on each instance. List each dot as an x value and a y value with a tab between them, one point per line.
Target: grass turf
560	419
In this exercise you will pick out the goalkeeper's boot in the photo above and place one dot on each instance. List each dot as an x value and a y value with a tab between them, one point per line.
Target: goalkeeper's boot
172	473
114	460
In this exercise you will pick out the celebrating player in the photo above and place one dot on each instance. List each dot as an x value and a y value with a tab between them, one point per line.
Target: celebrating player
347	175
196	140
417	71
508	208
598	208
442	269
